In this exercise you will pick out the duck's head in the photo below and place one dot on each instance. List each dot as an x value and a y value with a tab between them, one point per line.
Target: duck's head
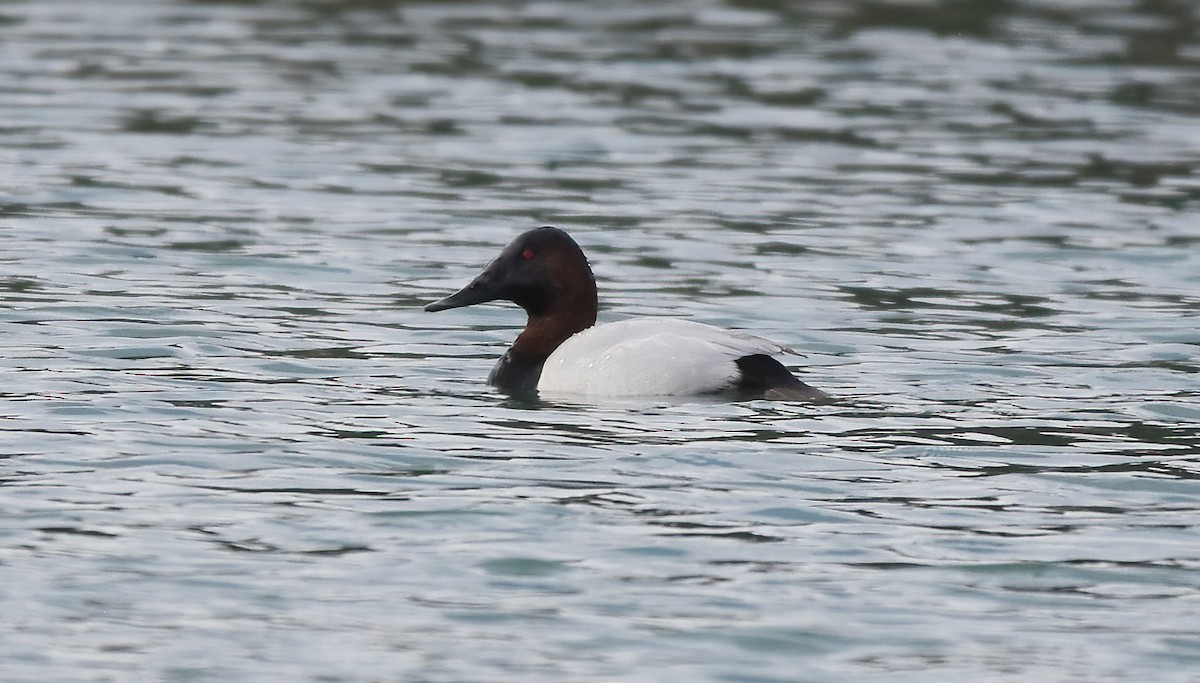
543	271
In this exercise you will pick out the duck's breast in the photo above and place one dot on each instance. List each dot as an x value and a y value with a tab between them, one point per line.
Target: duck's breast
650	357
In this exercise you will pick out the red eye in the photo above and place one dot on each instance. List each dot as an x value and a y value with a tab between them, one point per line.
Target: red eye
528	254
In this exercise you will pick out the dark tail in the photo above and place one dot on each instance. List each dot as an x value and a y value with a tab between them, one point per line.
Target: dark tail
764	376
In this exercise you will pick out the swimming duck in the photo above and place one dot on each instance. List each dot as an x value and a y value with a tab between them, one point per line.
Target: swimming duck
563	351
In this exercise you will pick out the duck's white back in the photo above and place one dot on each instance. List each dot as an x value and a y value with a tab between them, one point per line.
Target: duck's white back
649	357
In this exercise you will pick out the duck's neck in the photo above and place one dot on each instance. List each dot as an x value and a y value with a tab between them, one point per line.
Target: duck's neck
545	333
520	367
569	307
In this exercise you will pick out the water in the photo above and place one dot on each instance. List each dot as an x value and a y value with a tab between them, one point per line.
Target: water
235	449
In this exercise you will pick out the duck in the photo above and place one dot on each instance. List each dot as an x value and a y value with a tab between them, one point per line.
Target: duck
562	351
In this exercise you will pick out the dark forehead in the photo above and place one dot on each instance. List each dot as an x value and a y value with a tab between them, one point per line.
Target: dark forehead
548	233
543	237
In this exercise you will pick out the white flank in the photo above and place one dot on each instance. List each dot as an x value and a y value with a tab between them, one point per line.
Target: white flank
650	357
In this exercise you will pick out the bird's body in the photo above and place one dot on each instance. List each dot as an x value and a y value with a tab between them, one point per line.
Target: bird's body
562	352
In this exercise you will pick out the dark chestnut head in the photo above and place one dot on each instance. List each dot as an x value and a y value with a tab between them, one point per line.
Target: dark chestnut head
543	271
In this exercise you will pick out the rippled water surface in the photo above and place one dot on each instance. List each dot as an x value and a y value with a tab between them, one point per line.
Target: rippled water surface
235	449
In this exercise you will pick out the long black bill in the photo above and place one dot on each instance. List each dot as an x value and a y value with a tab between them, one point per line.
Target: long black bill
486	286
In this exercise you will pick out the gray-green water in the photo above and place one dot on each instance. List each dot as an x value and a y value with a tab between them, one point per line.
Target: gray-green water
235	449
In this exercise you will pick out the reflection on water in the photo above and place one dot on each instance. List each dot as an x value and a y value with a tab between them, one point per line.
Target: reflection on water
234	448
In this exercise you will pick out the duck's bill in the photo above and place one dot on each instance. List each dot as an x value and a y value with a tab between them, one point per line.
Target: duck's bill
481	290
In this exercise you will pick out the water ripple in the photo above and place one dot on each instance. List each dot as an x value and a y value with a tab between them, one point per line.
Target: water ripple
235	448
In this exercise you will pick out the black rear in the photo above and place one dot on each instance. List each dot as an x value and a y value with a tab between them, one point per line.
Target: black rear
764	376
